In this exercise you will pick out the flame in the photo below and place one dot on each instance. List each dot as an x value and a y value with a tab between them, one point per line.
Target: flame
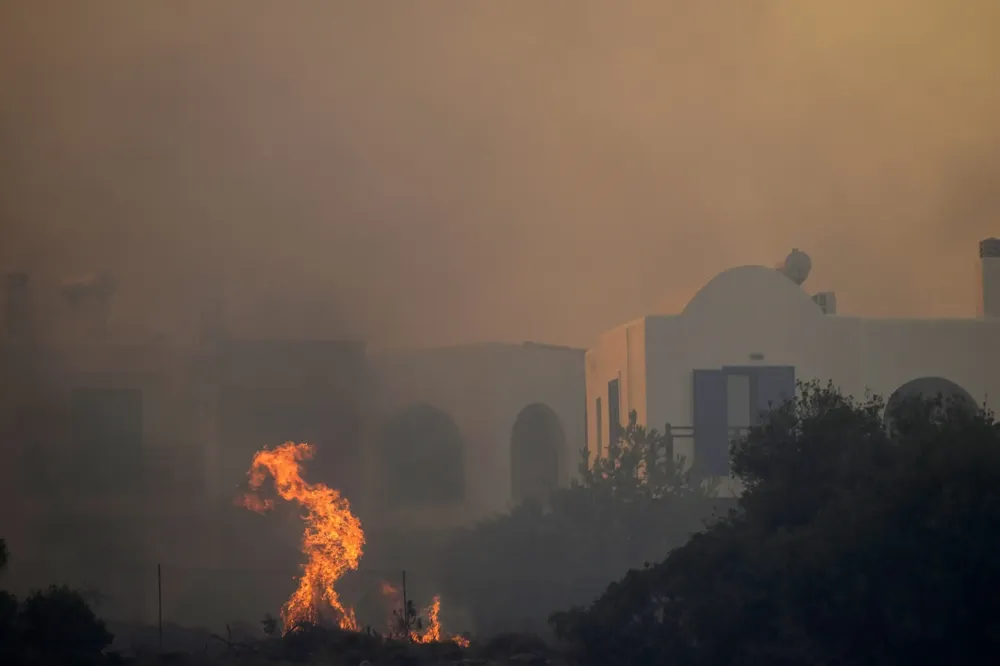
432	632
332	540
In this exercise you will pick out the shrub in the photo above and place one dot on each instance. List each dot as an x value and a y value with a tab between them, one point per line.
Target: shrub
58	622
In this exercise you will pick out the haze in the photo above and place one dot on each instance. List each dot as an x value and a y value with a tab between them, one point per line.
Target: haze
441	172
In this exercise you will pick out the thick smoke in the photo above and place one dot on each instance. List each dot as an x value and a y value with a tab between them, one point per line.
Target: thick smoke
439	172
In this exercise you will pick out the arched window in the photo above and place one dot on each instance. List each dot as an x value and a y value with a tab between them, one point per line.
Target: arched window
422	455
927	388
537	443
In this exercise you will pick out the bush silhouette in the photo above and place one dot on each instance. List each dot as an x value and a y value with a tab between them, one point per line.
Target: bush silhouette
59	621
853	543
56	622
9	640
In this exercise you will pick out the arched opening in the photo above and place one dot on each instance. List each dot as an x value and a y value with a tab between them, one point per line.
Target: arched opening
927	388
537	441
422	455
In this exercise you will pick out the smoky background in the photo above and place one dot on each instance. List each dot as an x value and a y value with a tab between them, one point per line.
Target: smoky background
428	174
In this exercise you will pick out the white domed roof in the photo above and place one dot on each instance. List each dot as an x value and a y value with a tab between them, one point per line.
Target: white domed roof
753	291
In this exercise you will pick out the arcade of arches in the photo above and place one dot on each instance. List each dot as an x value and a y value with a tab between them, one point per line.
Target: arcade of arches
422	452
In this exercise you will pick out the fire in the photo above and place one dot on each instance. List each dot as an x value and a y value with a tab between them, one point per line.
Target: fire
432	632
332	540
332	543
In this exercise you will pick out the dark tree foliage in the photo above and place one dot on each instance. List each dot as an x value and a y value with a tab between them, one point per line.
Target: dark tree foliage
632	506
9	643
405	622
854	543
8	615
53	624
59	621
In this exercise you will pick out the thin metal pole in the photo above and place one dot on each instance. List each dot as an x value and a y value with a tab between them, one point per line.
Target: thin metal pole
406	610
159	603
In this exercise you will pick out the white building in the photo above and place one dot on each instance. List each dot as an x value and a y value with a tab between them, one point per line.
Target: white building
746	337
464	432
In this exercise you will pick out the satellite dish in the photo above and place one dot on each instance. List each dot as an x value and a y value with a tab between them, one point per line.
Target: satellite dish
796	266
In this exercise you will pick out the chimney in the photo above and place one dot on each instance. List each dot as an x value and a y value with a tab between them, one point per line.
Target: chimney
17	306
988	303
827	302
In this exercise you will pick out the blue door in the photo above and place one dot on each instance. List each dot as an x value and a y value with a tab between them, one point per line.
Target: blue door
770	387
711	424
775	385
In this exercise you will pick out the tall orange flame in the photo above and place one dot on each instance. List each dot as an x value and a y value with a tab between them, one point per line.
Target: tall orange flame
432	632
332	540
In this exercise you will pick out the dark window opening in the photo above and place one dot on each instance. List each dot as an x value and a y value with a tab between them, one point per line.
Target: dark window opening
907	397
600	429
536	442
422	453
614	414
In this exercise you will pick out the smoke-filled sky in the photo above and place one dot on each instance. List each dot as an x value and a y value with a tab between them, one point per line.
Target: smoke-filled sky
445	171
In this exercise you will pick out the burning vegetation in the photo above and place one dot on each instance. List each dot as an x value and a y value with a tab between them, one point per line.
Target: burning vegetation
405	623
332	542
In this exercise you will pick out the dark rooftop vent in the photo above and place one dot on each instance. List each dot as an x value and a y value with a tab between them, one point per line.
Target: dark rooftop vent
827	302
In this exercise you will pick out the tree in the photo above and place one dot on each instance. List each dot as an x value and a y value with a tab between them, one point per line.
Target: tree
54	623
58	621
406	622
8	615
631	506
853	543
9	642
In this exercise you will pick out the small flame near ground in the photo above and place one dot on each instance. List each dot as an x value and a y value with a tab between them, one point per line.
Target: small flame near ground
332	542
431	632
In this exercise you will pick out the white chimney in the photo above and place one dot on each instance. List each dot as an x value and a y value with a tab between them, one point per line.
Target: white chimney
988	303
